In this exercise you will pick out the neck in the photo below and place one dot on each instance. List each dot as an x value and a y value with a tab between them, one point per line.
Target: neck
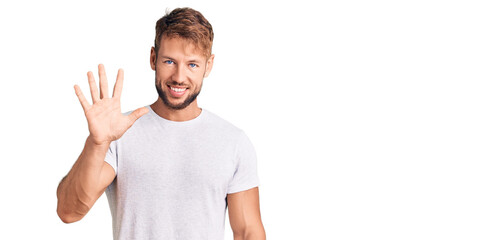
188	113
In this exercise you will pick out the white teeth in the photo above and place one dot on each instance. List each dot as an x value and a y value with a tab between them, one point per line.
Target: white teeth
178	89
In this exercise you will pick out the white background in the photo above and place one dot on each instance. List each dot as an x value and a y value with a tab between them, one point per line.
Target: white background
371	119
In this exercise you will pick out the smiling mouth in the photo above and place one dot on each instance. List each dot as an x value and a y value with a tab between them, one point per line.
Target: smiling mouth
177	89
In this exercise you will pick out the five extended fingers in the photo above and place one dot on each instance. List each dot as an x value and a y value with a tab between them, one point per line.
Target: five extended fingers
103	92
97	96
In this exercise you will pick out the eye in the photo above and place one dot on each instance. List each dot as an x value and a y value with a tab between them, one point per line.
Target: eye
168	62
192	65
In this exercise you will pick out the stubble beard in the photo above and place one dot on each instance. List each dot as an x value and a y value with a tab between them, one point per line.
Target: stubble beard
188	100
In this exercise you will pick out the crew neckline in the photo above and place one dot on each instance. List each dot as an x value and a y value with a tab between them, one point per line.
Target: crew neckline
196	119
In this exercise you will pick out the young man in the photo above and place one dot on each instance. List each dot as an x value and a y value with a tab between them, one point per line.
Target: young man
169	169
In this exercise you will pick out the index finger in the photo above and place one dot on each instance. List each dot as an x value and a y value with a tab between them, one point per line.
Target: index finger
118	84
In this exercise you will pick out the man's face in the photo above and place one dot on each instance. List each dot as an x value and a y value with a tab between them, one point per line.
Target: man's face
179	71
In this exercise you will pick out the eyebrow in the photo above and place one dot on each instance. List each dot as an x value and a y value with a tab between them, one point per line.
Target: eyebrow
191	59
167	57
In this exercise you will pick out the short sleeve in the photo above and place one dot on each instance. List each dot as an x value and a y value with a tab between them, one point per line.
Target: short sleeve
111	156
245	173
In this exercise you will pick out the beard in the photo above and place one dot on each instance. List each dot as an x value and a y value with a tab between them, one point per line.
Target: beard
188	100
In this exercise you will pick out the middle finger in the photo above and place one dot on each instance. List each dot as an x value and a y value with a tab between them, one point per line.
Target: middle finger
103	82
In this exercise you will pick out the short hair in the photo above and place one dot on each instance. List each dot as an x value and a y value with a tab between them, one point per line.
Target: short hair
188	24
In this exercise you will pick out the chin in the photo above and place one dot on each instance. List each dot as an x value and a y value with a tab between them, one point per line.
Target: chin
180	103
178	106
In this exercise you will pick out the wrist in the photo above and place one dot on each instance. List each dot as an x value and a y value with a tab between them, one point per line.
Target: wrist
91	142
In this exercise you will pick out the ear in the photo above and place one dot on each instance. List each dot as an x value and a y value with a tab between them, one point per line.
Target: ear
209	65
153	58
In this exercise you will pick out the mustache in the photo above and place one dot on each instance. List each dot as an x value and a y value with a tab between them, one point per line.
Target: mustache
175	84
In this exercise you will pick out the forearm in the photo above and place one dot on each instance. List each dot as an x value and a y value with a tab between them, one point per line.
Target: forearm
80	189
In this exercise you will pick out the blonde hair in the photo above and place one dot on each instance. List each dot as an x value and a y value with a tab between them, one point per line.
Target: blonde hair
188	24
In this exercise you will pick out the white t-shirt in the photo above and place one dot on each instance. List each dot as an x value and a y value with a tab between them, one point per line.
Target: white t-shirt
172	178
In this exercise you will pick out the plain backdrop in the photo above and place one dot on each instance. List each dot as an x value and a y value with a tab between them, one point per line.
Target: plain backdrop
371	119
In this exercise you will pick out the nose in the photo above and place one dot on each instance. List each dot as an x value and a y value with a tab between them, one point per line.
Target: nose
179	76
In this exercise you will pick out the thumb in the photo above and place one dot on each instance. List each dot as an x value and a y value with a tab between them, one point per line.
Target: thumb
137	114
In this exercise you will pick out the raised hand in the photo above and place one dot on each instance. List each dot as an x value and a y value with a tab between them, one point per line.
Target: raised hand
104	117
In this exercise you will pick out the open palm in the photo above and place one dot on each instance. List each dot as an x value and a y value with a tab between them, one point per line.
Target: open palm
104	117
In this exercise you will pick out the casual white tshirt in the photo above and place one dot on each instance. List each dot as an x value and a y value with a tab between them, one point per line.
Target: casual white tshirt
172	178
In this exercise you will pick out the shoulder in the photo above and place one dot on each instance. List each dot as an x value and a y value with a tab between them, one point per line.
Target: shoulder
222	125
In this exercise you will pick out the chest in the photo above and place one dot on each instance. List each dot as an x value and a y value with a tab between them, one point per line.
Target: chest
175	166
